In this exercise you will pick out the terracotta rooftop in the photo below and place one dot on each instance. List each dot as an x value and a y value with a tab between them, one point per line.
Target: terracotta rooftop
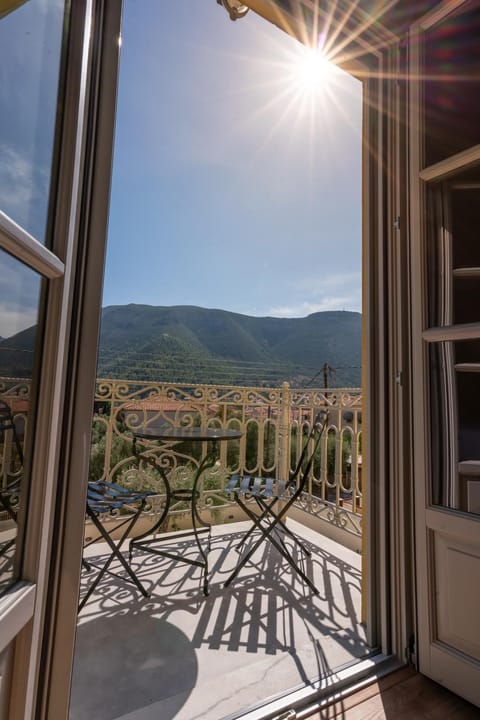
160	405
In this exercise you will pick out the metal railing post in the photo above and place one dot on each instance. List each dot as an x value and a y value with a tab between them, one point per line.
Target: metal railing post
283	465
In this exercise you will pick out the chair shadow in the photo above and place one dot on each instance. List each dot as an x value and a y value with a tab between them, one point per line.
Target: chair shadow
267	611
268	589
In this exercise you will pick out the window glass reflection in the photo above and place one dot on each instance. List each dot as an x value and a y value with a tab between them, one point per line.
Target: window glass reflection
453	267
30	44
452	83
19	311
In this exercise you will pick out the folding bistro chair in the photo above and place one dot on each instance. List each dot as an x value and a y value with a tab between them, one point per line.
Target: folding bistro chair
10	483
108	499
273	498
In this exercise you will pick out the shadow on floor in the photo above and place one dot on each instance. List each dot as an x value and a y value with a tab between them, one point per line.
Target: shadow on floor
179	654
128	660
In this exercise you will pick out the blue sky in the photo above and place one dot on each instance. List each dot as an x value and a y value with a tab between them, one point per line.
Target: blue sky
234	187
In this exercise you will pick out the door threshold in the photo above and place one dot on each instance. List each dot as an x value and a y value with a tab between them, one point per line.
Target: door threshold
303	702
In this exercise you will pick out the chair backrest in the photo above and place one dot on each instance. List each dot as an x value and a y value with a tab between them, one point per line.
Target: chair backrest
7	423
308	451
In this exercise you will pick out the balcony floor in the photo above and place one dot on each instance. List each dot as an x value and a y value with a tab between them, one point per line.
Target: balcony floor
181	655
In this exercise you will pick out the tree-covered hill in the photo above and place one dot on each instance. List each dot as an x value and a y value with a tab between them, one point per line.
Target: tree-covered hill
193	344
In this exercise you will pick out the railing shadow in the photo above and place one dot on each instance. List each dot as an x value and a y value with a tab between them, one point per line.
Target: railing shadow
267	600
266	612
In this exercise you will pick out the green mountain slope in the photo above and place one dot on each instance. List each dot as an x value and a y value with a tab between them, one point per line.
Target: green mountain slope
17	354
193	344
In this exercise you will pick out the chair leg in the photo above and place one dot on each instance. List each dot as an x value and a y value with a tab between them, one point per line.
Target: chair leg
268	516
267	534
284	527
282	550
265	511
286	554
5	503
115	548
257	520
7	546
7	506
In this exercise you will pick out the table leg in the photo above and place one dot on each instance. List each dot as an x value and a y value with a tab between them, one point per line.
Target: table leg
199	526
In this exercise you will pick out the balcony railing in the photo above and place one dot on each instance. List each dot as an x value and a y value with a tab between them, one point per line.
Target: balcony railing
272	420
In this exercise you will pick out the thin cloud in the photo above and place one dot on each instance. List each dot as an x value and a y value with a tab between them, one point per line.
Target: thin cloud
19	293
340	291
16	178
319	286
23	187
307	308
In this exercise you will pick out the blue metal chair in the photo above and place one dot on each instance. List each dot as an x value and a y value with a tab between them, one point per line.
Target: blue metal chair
108	500
273	499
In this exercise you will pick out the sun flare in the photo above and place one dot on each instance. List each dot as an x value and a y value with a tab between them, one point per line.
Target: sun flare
313	71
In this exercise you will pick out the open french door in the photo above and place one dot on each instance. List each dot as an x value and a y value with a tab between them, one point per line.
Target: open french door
445	231
56	136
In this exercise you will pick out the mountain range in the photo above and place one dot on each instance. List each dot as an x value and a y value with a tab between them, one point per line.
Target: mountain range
193	344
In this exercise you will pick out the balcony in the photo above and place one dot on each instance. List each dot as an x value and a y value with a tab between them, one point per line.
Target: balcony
272	421
179	654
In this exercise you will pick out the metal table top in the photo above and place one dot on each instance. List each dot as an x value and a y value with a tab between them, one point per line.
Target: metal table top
188	433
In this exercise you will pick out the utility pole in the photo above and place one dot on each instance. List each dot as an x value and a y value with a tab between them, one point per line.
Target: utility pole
326	370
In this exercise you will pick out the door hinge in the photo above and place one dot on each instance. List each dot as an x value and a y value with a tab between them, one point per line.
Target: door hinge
410	651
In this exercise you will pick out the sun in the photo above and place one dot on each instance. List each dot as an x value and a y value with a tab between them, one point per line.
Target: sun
313	72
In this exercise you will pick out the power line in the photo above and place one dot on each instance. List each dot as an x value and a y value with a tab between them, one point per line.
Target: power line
14	349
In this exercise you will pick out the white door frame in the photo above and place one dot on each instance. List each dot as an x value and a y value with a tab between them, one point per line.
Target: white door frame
435	525
28	609
92	102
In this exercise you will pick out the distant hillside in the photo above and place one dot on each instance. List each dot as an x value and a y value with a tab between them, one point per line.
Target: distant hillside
16	354
193	344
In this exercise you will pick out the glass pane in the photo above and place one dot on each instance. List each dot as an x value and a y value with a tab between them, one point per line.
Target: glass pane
30	44
465	194
452	84
19	311
455	399
453	263
468	394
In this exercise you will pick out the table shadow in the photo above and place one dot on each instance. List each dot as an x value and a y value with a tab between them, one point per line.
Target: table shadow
140	652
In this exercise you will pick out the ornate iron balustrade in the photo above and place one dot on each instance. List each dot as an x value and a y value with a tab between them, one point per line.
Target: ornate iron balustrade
272	421
17	394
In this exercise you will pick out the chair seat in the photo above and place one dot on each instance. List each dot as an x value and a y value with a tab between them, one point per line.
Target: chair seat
106	498
260	487
110	492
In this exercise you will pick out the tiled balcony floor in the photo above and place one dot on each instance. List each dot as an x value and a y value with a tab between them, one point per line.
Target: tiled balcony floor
181	655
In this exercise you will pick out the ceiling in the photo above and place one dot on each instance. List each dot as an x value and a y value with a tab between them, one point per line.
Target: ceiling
372	22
